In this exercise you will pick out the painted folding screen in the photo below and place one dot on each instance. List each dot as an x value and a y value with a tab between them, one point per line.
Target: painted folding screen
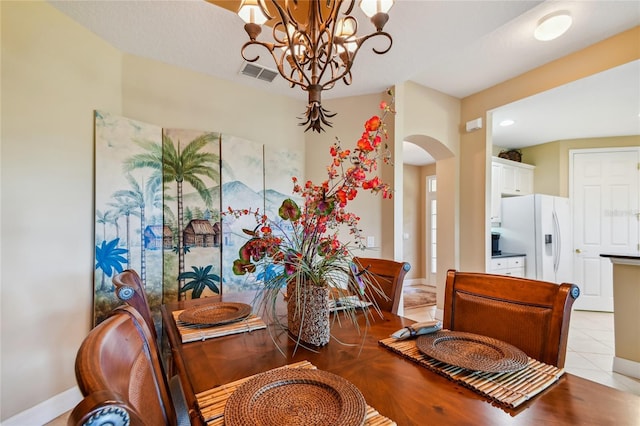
128	203
159	194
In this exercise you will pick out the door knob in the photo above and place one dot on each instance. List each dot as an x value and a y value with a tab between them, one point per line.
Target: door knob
578	251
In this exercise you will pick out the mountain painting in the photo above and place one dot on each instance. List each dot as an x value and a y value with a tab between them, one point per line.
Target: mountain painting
258	178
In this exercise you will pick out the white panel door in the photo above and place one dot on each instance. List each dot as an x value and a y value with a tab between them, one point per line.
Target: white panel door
605	194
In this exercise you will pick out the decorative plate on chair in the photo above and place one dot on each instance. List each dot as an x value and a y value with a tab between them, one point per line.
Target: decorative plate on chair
216	313
472	351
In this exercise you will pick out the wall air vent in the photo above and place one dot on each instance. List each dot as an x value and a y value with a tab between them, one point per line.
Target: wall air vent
258	71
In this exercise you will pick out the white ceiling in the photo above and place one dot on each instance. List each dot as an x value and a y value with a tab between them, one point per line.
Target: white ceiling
456	47
604	104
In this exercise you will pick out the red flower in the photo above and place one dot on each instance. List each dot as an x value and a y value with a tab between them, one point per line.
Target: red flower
365	145
372	124
376	141
359	174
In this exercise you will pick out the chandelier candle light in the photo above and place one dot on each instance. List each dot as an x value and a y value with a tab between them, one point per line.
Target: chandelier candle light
316	53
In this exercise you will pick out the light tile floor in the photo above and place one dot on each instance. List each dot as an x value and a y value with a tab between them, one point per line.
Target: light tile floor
590	348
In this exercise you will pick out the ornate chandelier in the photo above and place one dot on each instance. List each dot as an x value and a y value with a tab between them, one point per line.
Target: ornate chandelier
313	53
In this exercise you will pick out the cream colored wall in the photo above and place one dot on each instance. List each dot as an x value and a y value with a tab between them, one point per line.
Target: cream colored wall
426	111
415	219
348	126
412	220
475	154
54	74
190	100
547	159
431	120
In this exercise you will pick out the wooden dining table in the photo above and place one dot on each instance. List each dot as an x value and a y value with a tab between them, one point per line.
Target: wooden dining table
397	388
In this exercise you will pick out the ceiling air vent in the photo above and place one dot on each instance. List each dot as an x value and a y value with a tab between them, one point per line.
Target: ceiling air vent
258	71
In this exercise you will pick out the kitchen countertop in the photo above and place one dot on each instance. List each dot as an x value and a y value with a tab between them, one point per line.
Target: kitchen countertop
625	259
505	254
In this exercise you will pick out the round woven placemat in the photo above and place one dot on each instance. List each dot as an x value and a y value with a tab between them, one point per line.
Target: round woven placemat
292	396
216	313
472	351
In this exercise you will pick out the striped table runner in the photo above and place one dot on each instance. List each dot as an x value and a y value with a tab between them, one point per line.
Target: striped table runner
212	402
509	389
192	334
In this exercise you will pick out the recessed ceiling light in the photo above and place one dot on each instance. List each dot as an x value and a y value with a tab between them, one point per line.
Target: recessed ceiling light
553	26
506	123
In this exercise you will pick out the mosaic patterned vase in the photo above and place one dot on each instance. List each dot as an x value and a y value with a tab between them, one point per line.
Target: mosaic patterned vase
308	313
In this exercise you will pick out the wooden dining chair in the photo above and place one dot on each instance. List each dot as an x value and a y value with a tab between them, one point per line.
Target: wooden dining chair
531	315
129	290
389	276
121	378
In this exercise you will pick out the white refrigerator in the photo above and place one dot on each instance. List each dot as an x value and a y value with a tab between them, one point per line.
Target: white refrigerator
539	226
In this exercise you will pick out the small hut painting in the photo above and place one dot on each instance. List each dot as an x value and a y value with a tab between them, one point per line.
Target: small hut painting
191	176
201	233
157	237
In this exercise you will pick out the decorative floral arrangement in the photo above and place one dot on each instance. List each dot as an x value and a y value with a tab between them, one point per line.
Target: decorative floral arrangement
304	247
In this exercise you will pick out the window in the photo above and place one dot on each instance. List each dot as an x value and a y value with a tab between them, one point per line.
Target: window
432	224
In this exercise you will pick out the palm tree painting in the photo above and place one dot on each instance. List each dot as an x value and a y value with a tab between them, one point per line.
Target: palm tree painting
159	194
125	204
191	174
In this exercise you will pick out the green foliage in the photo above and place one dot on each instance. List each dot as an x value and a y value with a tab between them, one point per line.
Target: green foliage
200	279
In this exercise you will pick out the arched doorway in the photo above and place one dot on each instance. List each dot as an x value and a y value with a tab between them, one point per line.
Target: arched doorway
422	222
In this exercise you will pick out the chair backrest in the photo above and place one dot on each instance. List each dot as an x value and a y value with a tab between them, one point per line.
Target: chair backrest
119	373
532	315
388	275
129	290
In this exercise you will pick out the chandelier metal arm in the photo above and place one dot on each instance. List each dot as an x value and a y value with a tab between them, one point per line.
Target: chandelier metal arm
322	47
347	71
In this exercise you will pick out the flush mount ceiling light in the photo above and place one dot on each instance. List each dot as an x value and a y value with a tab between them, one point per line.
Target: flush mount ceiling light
506	123
316	49
553	25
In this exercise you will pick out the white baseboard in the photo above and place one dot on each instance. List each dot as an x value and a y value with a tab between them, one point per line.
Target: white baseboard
439	314
626	367
415	281
47	410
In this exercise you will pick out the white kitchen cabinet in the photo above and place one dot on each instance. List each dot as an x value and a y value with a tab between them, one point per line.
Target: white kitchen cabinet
513	266
496	193
515	178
